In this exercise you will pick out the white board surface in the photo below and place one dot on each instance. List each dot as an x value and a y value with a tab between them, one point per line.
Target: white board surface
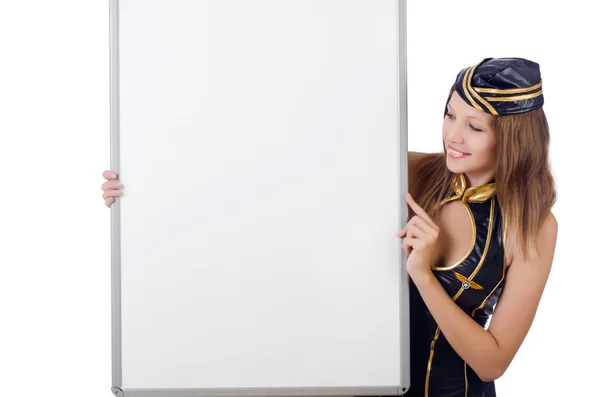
261	146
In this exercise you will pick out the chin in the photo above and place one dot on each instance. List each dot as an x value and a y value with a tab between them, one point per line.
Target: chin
458	166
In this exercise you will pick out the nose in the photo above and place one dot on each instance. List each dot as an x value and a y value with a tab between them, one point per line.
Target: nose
454	133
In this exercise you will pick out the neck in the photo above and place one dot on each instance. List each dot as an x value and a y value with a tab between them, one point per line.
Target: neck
478	179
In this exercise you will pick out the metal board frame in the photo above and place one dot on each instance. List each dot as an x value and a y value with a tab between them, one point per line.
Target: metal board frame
117	378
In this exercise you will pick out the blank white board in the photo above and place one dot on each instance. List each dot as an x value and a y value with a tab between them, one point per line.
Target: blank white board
261	145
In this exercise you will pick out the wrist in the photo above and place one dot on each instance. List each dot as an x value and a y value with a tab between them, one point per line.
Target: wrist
421	276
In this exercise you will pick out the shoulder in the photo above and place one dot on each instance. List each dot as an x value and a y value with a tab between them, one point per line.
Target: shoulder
551	223
547	235
549	230
545	241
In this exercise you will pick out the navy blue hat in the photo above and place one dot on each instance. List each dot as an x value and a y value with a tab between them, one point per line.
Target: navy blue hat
501	86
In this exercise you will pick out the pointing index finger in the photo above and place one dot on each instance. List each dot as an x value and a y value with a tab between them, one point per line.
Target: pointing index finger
418	210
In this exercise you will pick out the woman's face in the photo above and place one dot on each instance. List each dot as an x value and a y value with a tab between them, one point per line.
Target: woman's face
469	141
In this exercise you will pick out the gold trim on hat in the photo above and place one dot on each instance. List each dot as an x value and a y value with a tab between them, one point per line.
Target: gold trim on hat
509	90
487	105
466	91
514	98
467	80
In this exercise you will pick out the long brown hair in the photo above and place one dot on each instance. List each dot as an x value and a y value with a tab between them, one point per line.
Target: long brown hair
524	184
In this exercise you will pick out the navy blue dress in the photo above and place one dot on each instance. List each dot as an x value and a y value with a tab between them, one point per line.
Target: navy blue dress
474	283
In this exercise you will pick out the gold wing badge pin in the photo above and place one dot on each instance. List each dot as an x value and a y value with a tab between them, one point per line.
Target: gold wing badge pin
466	284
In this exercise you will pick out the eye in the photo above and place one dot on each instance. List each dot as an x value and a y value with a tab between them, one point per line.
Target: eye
474	128
450	116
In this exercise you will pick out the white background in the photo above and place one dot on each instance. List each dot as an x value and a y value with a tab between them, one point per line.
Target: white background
55	229
561	350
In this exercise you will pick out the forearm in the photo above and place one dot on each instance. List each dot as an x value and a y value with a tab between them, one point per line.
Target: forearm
470	341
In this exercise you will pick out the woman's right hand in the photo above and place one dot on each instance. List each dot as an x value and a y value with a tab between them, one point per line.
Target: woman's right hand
111	187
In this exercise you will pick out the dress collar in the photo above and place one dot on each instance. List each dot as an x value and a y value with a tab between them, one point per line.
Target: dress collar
474	194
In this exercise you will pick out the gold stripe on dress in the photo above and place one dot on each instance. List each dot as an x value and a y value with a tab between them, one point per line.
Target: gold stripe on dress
437	334
490	294
480	307
473	240
477	194
455	297
487	246
444	201
473	314
466	381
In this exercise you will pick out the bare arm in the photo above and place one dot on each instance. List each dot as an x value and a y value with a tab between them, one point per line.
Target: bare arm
489	352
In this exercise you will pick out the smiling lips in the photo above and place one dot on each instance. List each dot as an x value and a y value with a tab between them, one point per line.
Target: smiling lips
455	154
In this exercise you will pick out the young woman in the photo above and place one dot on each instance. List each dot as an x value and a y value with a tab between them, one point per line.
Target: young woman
481	238
481	234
